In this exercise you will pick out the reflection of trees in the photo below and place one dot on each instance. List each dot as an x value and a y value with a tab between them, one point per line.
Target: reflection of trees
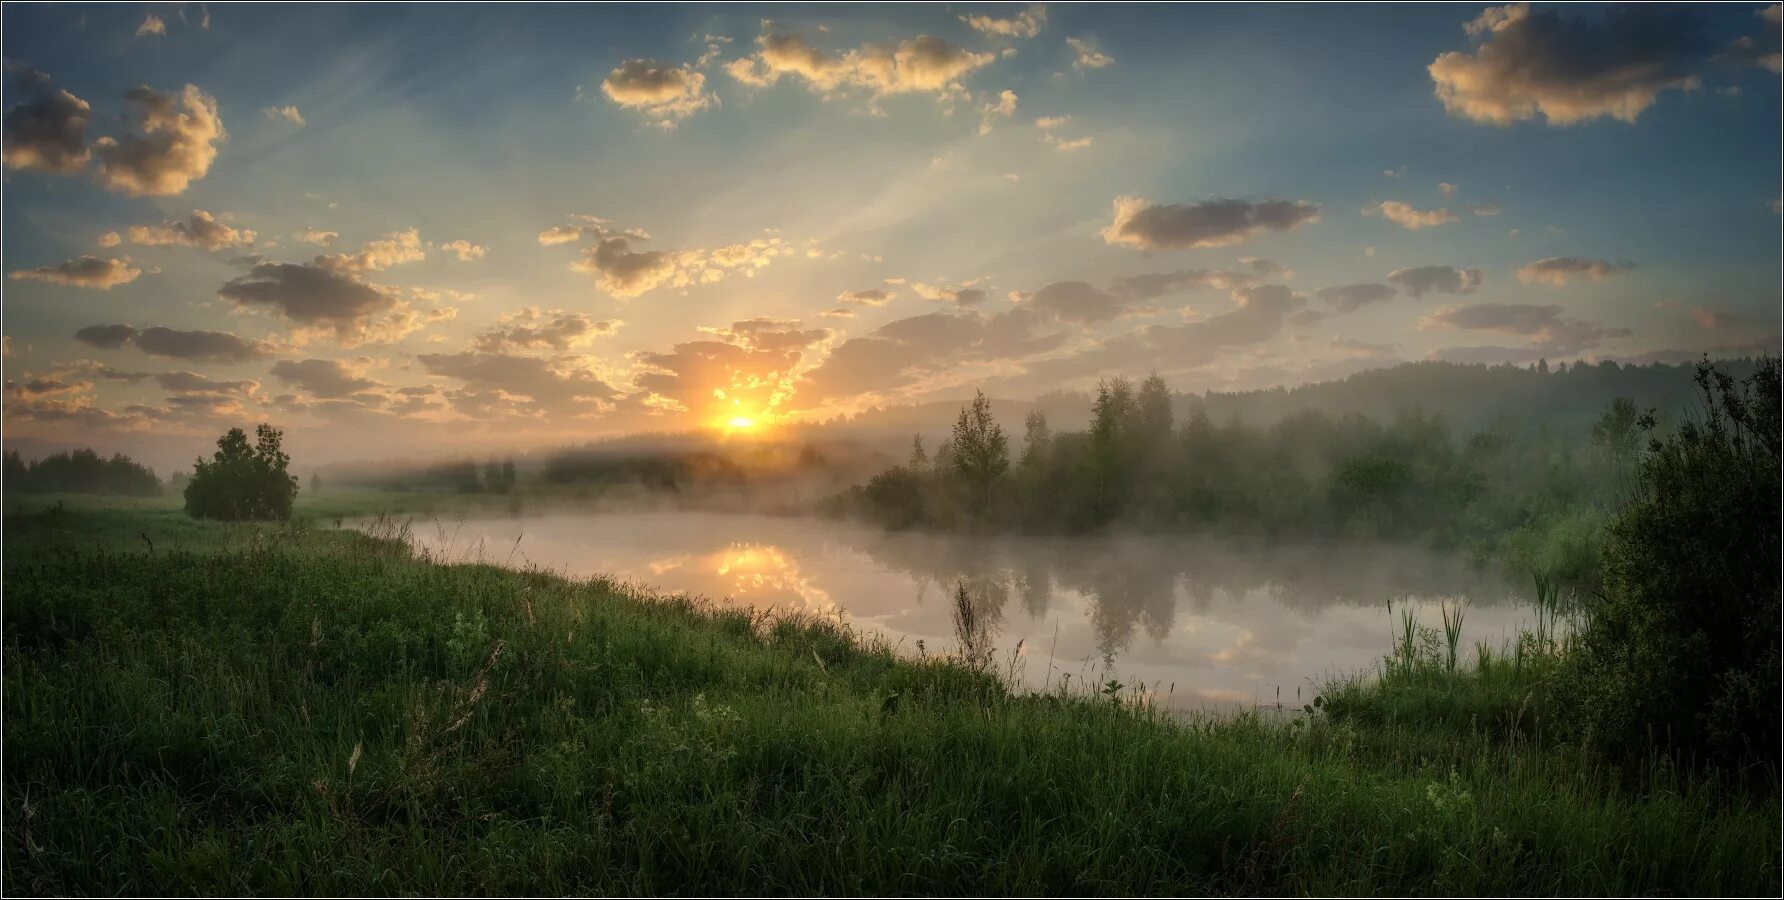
1134	583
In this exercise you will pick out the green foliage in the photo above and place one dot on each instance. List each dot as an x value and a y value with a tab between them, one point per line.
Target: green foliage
280	710
981	453
1680	653
80	472
241	481
1306	475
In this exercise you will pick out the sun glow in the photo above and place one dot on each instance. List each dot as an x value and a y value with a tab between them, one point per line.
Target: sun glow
740	423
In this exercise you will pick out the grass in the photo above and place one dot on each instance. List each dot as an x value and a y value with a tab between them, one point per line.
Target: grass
297	709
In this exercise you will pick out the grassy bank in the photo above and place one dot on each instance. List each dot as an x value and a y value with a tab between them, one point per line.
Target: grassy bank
199	708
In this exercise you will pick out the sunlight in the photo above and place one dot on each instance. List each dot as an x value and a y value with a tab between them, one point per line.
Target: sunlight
740	423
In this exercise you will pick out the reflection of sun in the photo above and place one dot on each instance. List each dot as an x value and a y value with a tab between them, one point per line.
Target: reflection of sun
766	571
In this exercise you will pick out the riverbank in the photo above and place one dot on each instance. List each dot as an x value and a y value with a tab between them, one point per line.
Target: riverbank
200	708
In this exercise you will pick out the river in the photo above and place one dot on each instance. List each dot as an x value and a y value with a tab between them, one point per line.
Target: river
1203	623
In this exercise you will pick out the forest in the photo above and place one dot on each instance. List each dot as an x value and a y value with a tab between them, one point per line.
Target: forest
80	471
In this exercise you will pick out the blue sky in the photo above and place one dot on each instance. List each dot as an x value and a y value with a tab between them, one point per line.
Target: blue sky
857	205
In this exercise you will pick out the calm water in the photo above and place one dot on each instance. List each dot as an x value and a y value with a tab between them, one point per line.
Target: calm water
1209	623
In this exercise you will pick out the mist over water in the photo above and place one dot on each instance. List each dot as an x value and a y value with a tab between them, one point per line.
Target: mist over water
1209	623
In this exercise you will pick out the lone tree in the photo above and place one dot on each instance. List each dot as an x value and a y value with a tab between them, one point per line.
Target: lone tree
981	453
242	481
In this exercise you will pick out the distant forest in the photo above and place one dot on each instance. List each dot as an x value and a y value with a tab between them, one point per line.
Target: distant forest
1523	464
80	472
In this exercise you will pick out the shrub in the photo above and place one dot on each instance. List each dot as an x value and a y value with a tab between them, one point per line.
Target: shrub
243	482
1680	648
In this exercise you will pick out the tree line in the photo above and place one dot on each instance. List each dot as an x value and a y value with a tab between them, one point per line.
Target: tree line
81	471
1308	474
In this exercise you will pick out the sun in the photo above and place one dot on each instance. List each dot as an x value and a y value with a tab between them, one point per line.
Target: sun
740	423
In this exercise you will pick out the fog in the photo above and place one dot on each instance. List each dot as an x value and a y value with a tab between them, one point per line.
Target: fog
1209	623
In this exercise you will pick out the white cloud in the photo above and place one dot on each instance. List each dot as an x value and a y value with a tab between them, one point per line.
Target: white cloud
176	144
1409	218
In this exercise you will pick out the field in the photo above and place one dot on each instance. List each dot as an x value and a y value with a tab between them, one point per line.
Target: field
206	708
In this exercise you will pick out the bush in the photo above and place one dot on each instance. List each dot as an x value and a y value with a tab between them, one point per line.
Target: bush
1680	648
243	482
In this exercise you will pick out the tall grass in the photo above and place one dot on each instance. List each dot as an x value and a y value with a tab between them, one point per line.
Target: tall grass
300	710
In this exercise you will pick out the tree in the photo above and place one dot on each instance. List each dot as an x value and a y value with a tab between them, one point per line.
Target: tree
1036	439
1680	647
1153	413
81	471
508	476
1618	430
981	452
315	482
919	460
15	472
241	481
1109	425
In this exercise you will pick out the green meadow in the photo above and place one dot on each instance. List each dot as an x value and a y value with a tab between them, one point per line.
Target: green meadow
195	707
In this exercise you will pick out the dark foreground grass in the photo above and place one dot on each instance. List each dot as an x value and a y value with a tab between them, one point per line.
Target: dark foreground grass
294	710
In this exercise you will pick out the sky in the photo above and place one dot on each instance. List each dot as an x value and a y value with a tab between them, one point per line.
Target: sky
420	229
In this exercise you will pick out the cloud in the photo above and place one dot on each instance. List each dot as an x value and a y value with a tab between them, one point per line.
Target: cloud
1067	145
85	271
1072	301
532	329
1411	219
324	378
1559	270
1087	56
1159	284
464	251
1351	297
201	229
393	249
1212	223
1047	122
1025	24
1735	334
923	64
1004	108
152	25
869	297
1569	69
1260	313
1417	281
1545	326
626	272
959	295
288	113
177	143
215	346
496	385
48	131
311	295
194	383
1761	50
906	353
1485	209
747	369
664	93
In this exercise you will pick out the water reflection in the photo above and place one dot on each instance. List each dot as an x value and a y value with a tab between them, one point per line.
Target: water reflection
1221	621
